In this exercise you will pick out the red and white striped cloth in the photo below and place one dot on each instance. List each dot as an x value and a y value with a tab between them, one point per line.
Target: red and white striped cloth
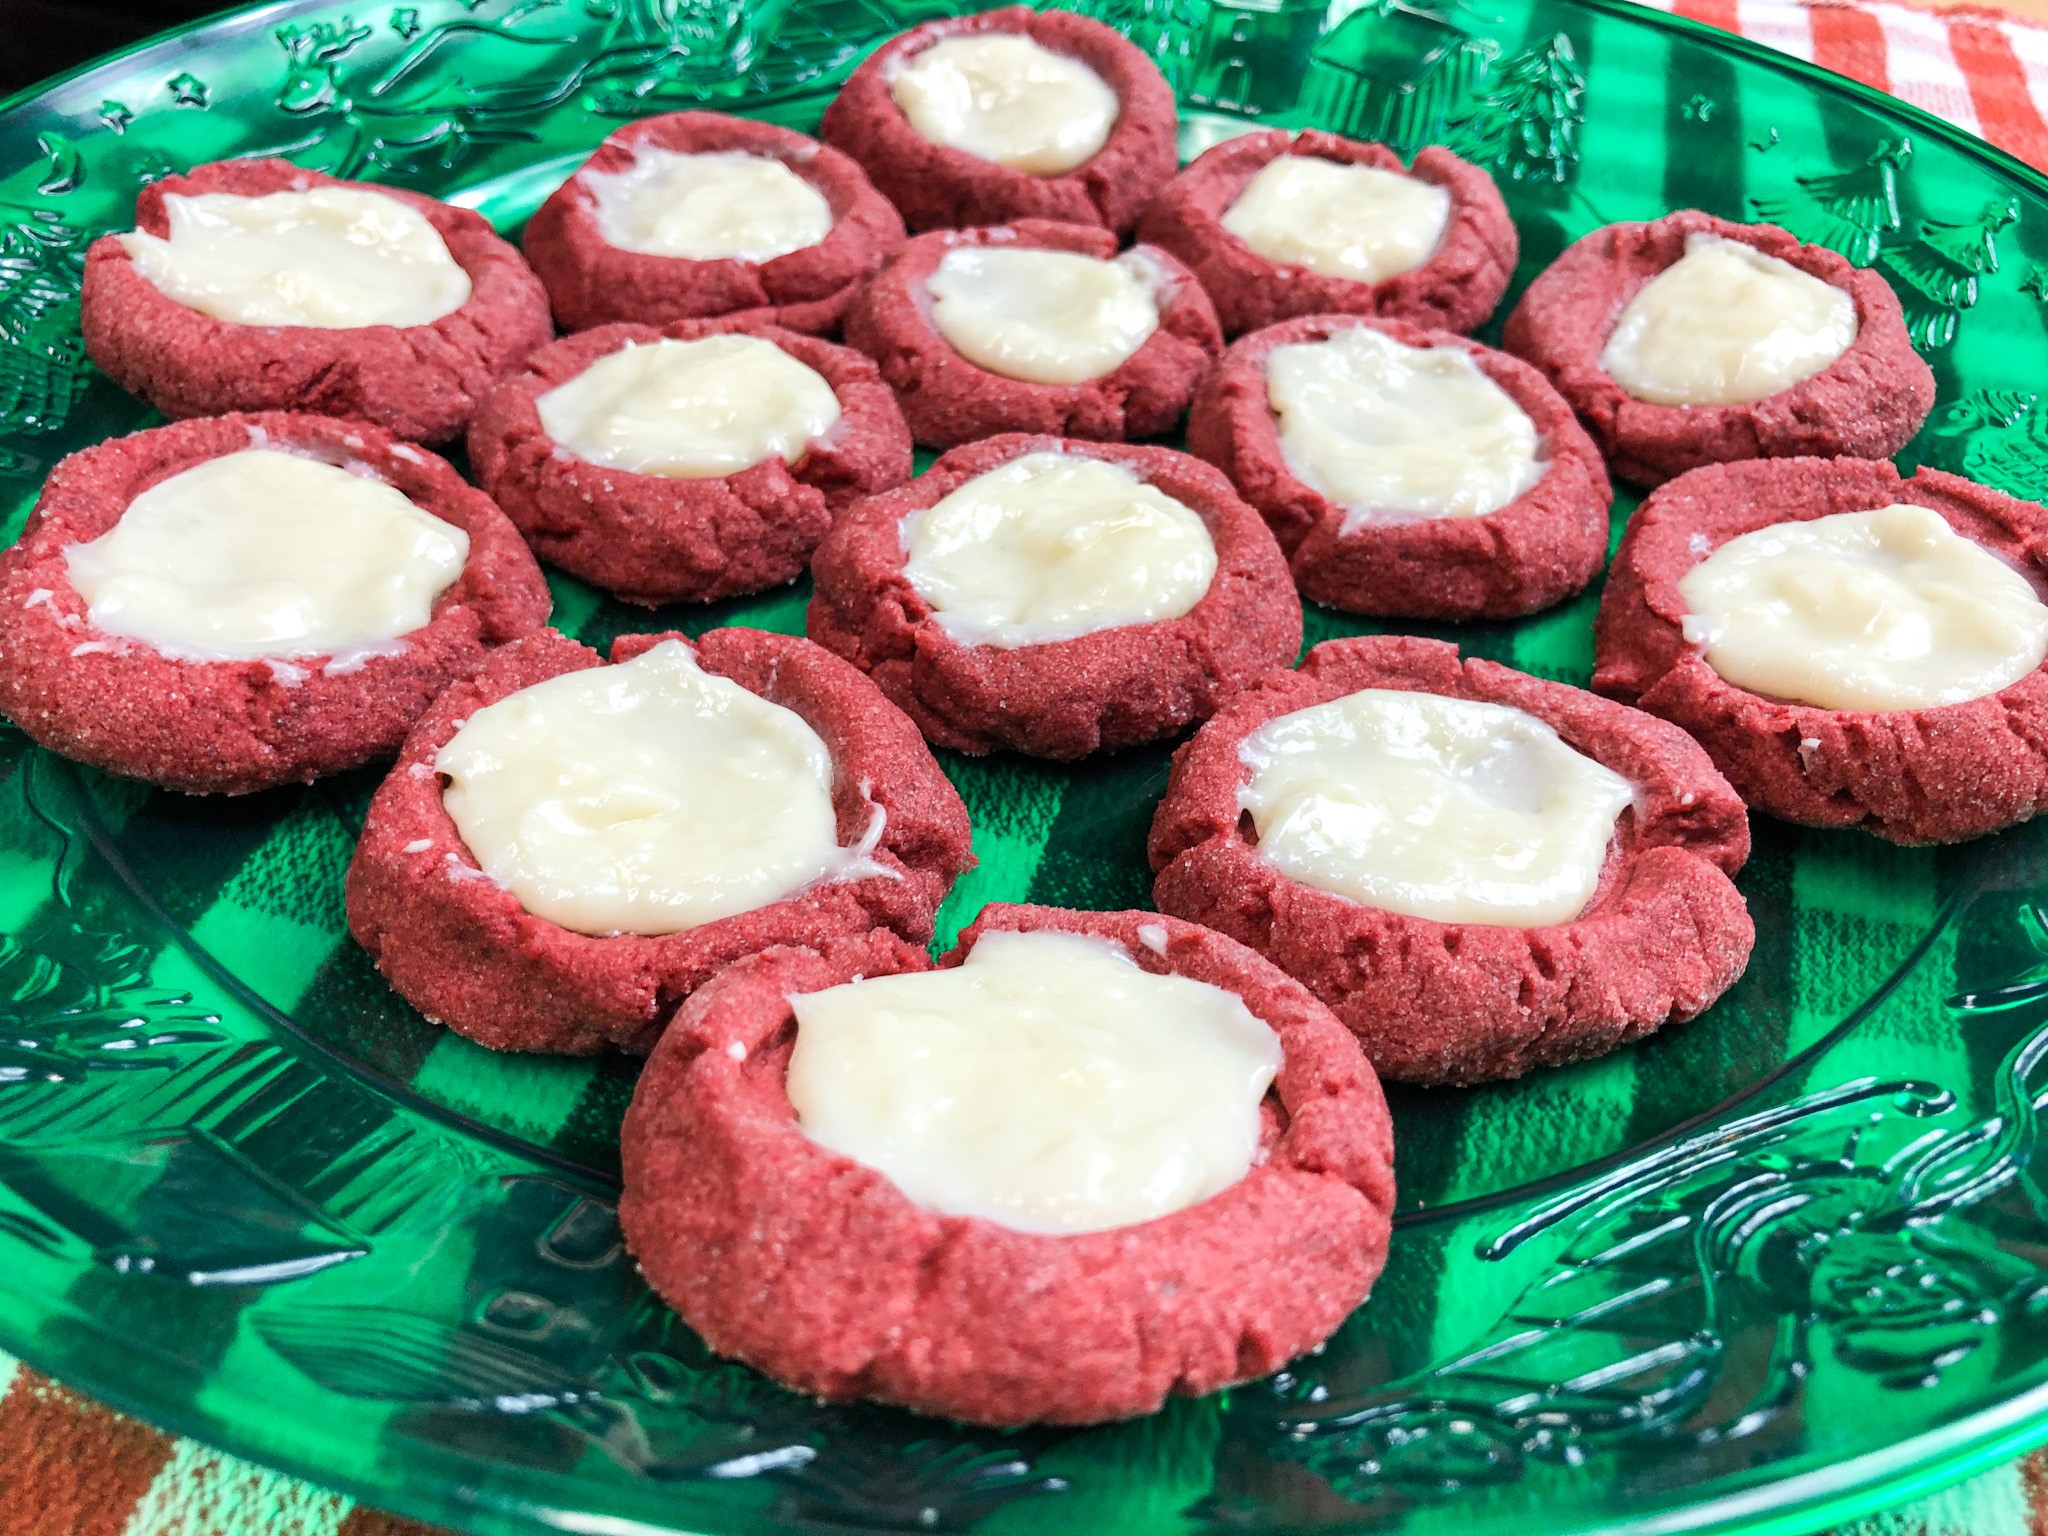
1980	70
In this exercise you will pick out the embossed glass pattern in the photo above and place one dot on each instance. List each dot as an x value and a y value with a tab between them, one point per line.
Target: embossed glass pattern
1765	1268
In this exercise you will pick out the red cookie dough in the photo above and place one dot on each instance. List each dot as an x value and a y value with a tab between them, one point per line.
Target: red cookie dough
1537	550
1868	402
593	282
1935	775
948	400
940	188
1456	289
663	539
419	381
1665	934
821	1272
232	727
460	948
1066	698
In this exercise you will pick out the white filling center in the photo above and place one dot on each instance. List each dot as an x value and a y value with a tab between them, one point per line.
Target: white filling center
1336	220
648	797
1047	317
1392	431
1047	1083
330	257
1890	609
1054	546
1006	98
1725	324
1440	808
261	553
691	410
718	206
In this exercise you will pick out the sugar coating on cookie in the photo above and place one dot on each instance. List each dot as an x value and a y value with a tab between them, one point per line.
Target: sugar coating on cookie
1855	648
1479	871
1693	340
1055	597
840	1160
1048	1083
1009	114
666	814
224	605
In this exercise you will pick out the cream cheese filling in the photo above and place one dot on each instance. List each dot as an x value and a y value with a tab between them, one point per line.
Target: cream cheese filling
691	410
1054	546
648	797
1004	97
1349	221
333	258
1725	324
1047	1084
720	205
267	554
1392	432
1046	317
1886	609
1442	808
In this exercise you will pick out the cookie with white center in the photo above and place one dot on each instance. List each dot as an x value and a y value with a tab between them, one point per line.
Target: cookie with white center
685	464
225	605
1407	473
1480	872
1693	340
253	285
1035	327
1091	1161
1276	225
1009	114
700	216
1853	646
1055	597
567	847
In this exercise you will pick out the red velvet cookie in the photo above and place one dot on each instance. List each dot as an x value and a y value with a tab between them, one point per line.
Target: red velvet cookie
1062	699
1456	289
232	727
462	950
1537	550
949	400
421	382
1868	402
822	1273
1433	1002
593	282
1935	775
936	187
661	539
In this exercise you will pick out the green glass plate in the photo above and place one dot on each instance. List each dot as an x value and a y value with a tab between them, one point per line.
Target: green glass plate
1766	1269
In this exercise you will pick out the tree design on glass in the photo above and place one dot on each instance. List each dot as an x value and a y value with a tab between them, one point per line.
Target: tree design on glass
1686	1296
1997	436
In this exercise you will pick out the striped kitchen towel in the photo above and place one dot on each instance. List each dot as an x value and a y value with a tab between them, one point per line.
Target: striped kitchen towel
1975	68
